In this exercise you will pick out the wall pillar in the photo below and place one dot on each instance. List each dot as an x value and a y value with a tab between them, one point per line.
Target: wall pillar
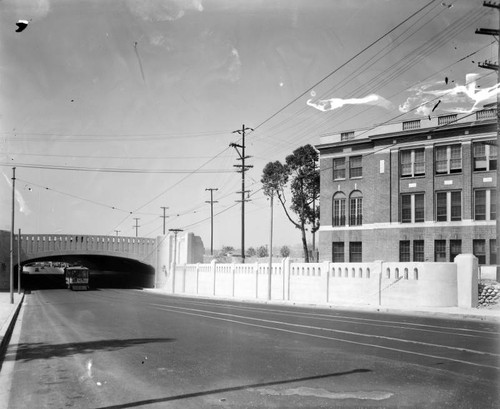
325	268
467	286
213	269
378	267
286	279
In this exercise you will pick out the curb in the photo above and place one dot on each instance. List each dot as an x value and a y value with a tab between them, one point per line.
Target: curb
8	332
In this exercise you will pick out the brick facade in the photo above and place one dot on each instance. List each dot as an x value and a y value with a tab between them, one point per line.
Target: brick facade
418	192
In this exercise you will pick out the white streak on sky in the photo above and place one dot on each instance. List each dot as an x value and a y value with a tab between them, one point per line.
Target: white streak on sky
335	103
426	98
23	207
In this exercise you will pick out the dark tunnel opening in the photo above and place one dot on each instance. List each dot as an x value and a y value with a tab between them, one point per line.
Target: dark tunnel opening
105	272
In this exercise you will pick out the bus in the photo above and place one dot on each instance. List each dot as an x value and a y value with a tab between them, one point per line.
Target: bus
77	277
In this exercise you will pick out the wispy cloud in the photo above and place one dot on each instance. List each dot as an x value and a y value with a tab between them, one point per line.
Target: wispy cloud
163	10
336	103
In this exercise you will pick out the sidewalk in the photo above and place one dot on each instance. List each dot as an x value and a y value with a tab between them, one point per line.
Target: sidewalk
8	315
491	314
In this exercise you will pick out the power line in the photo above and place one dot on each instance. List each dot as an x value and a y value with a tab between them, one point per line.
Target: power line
343	65
114	170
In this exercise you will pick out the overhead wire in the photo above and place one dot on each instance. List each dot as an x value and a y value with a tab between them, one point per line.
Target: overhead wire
410	58
445	35
269	118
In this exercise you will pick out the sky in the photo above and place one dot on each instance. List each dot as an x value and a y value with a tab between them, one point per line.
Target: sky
111	110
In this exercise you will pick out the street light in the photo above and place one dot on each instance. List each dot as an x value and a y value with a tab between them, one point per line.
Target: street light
175	231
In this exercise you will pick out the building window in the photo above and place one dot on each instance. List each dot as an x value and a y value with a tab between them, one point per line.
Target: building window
355	252
356	209
485	204
345	136
355	168
479	250
339	200
449	206
338	251
412	163
456	206
440	250
480	205
404	250
418	250
485	156
455	249
339	169
448	159
493	251
412	208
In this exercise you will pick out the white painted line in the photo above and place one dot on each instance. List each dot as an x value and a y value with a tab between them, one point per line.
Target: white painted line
176	309
404	325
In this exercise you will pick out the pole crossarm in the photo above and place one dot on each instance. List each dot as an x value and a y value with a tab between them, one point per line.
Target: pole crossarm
488	65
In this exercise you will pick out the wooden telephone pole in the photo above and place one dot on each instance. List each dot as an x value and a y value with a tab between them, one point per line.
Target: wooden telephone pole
211	189
240	149
489	65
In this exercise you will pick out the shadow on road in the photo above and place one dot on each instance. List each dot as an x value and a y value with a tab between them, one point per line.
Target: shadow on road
38	350
230	389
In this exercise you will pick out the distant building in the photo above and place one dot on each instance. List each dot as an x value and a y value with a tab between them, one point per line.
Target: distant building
420	190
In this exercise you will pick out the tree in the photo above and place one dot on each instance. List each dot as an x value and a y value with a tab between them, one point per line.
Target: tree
262	251
300	170
284	251
251	252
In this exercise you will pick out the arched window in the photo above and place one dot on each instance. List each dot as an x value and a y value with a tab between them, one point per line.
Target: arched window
338	207
356	208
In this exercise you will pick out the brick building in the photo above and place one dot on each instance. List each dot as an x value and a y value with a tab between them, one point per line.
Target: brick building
420	190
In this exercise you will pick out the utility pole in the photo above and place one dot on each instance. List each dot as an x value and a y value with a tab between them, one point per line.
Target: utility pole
488	65
174	262
164	217
240	149
12	237
211	189
136	226
19	262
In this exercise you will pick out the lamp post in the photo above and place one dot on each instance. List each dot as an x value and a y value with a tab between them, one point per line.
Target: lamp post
12	237
19	262
269	278
175	231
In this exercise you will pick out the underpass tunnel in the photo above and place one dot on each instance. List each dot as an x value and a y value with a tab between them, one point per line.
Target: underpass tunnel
105	272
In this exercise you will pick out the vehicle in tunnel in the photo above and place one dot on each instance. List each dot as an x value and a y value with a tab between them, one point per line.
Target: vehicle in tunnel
104	272
77	278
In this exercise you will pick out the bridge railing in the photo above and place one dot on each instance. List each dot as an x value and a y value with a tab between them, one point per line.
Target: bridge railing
46	243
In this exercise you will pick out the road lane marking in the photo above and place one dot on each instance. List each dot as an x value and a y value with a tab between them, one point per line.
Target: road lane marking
336	318
176	309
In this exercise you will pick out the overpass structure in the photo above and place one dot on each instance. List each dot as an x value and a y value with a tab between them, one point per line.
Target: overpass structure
157	253
34	246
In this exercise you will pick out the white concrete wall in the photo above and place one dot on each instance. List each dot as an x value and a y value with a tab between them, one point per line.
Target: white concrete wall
377	283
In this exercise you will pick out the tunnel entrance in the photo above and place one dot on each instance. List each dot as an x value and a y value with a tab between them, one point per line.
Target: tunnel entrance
105	272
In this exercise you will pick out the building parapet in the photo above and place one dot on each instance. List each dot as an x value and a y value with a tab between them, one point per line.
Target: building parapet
410	125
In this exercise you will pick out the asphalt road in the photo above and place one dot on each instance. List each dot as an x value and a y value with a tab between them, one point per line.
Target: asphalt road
130	349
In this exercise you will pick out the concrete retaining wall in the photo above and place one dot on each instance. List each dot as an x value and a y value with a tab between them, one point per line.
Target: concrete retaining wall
376	283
